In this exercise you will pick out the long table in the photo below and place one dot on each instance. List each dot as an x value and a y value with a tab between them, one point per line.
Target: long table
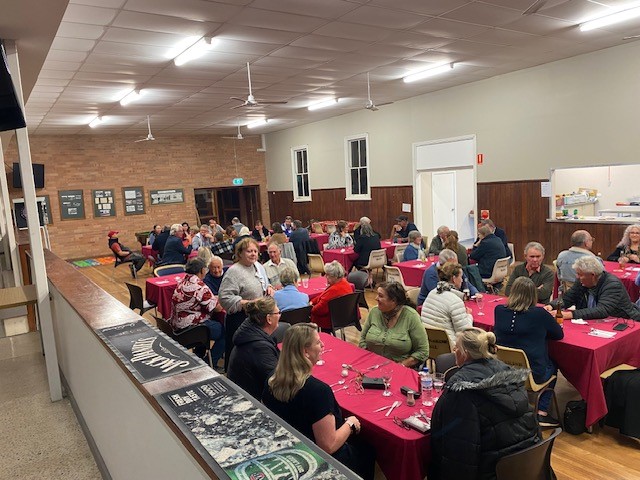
580	357
402	454
347	256
413	271
627	276
159	290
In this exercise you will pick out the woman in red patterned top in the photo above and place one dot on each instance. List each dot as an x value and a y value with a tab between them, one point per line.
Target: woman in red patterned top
193	304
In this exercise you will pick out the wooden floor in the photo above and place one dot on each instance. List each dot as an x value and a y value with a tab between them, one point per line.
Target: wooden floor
604	454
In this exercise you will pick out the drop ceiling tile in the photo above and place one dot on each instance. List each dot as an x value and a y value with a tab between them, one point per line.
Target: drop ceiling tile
111	77
295	63
198	10
383	18
58	82
80	30
431	7
66	56
128	49
353	31
89	15
56	65
252	34
47	89
60	74
392	51
466	48
329	43
72	44
330	9
499	36
576	11
305	53
125	60
538	25
483	14
119	69
227	45
161	23
253	17
429	59
366	61
440	27
415	40
99	3
128	35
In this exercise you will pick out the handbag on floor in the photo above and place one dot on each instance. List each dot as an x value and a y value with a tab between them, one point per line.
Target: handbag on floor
575	417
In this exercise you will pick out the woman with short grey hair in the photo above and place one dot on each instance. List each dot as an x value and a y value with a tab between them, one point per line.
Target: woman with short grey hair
414	250
288	297
337	286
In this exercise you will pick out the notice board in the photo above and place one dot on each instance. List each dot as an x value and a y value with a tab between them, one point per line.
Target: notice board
104	203
133	200
71	204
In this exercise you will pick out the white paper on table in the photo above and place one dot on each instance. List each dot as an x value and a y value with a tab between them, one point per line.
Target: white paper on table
635	269
601	333
578	321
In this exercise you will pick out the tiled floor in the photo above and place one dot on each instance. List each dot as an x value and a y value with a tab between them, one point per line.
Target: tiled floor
39	438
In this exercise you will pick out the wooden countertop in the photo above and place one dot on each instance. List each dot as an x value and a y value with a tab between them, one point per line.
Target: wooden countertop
17	296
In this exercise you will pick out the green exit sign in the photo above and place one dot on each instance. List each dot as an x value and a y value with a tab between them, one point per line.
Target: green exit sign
238	181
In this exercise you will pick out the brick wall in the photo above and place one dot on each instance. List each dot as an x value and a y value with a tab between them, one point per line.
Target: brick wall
93	162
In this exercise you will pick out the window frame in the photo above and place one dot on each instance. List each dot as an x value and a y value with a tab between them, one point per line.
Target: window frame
347	154
294	169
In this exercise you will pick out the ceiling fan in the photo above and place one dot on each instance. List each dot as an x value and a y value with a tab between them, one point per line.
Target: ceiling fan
370	105
149	136
631	37
251	101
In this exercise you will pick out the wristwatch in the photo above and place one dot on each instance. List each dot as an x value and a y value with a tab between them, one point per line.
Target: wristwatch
352	426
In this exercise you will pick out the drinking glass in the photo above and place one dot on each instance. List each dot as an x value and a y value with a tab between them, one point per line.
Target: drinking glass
386	374
438	383
480	303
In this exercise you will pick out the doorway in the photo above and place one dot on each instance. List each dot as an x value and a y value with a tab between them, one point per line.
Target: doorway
443	198
222	204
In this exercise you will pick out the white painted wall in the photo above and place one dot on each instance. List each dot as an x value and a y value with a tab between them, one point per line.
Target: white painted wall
574	112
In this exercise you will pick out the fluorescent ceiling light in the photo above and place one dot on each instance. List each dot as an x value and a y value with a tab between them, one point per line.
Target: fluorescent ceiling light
95	122
132	96
194	51
323	104
616	17
257	123
414	77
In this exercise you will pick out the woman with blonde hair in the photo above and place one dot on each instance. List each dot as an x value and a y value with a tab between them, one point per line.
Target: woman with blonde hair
483	413
309	405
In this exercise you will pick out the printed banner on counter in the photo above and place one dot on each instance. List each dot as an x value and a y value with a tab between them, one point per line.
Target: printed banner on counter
148	353
237	437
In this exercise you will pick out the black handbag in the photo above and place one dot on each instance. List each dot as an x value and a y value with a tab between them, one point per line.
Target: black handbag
575	417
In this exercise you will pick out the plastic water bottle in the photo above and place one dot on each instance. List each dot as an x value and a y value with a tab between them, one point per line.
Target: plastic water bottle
426	382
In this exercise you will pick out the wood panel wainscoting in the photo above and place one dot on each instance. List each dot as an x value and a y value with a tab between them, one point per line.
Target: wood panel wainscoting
516	206
330	204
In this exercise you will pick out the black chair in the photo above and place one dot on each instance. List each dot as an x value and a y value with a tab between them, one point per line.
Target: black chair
450	371
532	463
119	261
344	312
190	337
297	315
444	362
136	300
359	279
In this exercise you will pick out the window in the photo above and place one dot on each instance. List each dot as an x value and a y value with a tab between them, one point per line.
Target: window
357	159
301	190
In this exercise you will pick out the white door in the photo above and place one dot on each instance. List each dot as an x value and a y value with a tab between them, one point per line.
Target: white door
443	196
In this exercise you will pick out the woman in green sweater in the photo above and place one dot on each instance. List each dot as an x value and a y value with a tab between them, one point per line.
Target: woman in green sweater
393	329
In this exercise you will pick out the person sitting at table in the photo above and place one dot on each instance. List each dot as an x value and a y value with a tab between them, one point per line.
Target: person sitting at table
444	307
400	231
193	303
298	235
521	324
498	232
289	297
452	244
125	254
161	240
185	227
244	282
534	268
581	245
276	264
487	251
337	286
203	238
393	328
221	246
260	232
437	242
278	235
155	231
483	413
430	277
414	250
243	233
237	224
255	353
309	405
340	238
205	255
174	250
596	294
287	225
367	242
358	230
213	278
628	250
215	227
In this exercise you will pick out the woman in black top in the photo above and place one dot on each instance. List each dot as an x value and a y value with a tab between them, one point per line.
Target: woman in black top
521	324
367	242
628	250
309	405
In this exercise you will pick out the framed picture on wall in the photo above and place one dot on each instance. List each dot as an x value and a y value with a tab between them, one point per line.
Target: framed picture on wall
104	203
133	200
20	212
71	204
160	197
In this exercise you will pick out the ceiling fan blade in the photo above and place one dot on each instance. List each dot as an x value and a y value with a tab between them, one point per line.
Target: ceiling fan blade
249	78
369	90
243	104
382	104
534	7
262	102
149	125
141	140
631	37
238	99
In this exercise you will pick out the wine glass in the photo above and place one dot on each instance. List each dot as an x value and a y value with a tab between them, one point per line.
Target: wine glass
386	374
438	383
480	304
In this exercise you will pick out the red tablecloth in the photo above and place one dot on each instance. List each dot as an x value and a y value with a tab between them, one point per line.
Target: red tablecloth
316	286
345	256
402	454
580	357
159	291
390	247
321	238
413	271
627	276
148	251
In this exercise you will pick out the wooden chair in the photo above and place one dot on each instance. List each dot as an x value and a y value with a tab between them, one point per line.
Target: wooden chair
623	366
316	263
517	358
136	299
438	342
513	255
413	293
500	271
344	312
532	463
189	338
297	315
399	252
377	259
172	269
359	280
393	274
331	228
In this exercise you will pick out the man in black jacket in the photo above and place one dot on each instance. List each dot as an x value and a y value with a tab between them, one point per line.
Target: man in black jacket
487	251
596	294
161	240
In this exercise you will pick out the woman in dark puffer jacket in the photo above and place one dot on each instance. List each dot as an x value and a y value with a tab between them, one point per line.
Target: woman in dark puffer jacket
483	414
